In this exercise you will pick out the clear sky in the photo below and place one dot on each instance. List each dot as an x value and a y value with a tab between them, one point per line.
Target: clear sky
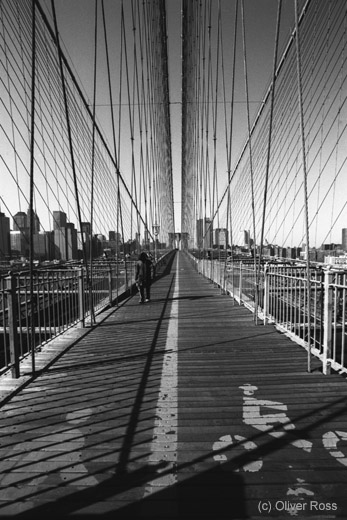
76	27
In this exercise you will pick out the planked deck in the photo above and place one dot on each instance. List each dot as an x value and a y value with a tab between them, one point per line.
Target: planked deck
180	408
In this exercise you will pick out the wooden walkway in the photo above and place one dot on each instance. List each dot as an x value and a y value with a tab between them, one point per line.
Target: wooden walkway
181	408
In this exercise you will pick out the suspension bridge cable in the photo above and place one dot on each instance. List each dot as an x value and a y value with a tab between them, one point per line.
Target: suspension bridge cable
130	115
91	307
250	153
338	132
31	202
114	144
272	100
215	120
231	127
303	145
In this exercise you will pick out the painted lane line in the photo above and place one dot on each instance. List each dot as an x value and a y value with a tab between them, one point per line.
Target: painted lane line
164	443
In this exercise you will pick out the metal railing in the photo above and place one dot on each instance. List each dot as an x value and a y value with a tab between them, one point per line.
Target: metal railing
279	295
60	299
31	315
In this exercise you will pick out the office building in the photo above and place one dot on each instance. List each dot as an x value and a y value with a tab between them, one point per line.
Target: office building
19	244
221	238
5	245
20	222
204	233
344	239
36	222
59	220
71	242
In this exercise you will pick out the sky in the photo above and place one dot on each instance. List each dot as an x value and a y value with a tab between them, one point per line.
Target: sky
76	25
76	28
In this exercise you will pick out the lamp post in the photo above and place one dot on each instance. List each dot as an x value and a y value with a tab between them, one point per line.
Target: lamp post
155	229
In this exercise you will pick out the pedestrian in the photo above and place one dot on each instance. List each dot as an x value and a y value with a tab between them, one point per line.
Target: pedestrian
148	278
140	276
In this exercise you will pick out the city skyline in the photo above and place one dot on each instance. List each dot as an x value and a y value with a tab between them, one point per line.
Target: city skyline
54	183
65	237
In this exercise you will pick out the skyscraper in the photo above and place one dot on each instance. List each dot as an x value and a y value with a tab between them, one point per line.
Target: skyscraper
204	233
20	222
59	230
5	248
36	225
221	238
59	219
71	239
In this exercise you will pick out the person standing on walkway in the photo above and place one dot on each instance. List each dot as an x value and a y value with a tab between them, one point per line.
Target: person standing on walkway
141	276
148	279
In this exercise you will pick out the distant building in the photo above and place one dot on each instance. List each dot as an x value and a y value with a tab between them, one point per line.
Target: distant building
43	246
184	240
344	239
59	220
269	250
19	244
330	247
114	236
291	253
71	242
87	239
280	252
20	222
146	239
204	233
5	244
86	227
60	244
221	238
36	222
247	238
336	260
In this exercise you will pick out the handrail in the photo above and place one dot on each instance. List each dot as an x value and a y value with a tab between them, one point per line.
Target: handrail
282	302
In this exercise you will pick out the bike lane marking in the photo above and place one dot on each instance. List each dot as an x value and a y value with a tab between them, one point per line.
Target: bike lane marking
330	441
164	443
266	422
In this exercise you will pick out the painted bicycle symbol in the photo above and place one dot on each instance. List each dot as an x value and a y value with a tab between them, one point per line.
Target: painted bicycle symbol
276	424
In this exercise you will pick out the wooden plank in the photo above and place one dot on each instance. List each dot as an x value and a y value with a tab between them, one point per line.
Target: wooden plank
88	436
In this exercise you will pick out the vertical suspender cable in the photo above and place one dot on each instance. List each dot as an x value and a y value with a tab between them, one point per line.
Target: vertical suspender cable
67	115
250	154
92	315
119	199
215	112
131	126
134	94
207	159
31	209
113	136
269	140
90	288
302	128
229	218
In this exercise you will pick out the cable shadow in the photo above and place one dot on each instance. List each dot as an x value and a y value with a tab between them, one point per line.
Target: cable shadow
217	492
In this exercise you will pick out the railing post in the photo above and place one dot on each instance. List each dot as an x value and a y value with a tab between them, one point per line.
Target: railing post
327	322
81	298
12	324
266	292
232	279
240	282
110	284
